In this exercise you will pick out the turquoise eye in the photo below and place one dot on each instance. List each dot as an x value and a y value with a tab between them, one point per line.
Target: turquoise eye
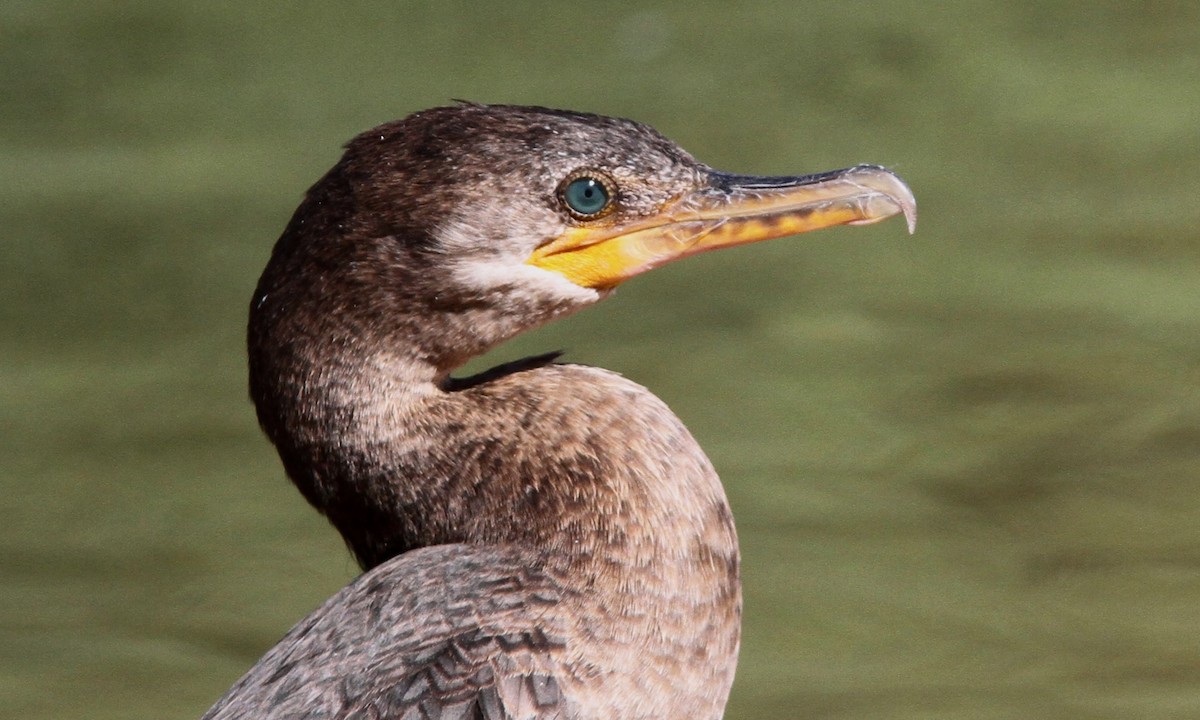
586	196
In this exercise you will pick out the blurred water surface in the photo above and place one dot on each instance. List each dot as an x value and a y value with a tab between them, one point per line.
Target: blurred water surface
964	465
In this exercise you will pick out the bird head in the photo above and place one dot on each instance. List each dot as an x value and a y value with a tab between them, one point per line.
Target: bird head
457	227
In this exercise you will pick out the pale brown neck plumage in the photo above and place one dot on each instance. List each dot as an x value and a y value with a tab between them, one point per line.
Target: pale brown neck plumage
573	460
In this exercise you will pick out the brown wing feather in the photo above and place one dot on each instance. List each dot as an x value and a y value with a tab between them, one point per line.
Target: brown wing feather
443	633
465	678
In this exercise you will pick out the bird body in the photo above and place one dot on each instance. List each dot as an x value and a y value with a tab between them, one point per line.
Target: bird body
541	540
637	627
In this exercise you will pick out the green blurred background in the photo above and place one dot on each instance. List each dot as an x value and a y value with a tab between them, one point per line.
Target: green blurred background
965	465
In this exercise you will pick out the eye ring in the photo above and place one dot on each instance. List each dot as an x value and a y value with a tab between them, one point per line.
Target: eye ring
586	194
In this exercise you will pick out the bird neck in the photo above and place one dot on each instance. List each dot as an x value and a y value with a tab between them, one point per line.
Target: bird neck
590	472
572	459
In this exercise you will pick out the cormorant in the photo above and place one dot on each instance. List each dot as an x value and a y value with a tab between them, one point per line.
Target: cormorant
541	540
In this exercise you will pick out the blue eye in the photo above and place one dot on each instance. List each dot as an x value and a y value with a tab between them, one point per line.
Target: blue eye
586	196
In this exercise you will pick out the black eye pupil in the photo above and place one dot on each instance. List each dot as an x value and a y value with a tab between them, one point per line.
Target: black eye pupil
586	196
